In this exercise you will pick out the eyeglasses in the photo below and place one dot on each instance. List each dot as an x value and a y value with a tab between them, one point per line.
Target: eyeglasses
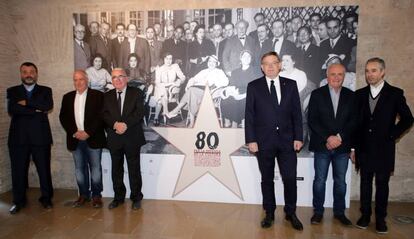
120	77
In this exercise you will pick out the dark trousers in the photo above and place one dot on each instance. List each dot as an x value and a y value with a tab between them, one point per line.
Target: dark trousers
287	162
381	194
134	172
20	160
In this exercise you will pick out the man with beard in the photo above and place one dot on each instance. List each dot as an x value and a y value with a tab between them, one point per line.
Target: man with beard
30	136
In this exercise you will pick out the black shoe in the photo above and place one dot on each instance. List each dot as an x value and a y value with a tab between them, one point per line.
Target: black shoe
15	208
136	205
381	227
115	204
267	221
294	220
316	219
363	222
156	122
343	219
46	203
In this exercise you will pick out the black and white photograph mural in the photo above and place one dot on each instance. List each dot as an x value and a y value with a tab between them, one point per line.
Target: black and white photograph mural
172	55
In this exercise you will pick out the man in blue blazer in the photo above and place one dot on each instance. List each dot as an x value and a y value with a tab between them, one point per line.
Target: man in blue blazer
28	105
273	129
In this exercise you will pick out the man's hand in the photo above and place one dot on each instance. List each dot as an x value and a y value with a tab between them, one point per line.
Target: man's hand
253	148
22	102
297	145
120	127
81	135
333	142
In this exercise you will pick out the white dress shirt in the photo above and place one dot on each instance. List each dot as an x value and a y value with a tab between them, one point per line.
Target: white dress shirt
79	109
375	90
277	86
131	45
278	45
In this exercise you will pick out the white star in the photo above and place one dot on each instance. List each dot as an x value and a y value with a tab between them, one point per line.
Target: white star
205	159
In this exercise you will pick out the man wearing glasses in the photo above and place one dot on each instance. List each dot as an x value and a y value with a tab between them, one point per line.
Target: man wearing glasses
123	111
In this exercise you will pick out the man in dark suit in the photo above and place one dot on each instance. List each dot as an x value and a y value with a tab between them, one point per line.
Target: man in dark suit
175	46
82	51
101	44
116	44
28	105
379	106
259	19
80	116
123	112
273	128
310	56
137	45
331	119
279	44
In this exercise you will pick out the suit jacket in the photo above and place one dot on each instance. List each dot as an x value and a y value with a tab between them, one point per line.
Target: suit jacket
29	124
132	115
82	56
377	132
93	123
342	47
233	48
323	123
311	63
141	49
116	51
177	50
287	48
155	52
267	122
98	45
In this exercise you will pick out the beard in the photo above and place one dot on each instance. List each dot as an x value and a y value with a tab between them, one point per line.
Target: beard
29	80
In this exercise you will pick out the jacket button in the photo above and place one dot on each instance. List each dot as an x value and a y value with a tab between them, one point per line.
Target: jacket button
370	130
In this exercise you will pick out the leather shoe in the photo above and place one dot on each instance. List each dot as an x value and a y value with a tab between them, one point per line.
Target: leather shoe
316	219
267	221
15	208
363	222
115	204
294	220
381	227
136	205
156	122
97	202
343	219
46	203
80	202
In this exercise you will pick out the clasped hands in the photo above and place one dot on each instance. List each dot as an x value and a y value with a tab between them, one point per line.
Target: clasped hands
81	135
120	127
333	142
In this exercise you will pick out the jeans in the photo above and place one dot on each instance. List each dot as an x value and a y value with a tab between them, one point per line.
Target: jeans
339	168
88	162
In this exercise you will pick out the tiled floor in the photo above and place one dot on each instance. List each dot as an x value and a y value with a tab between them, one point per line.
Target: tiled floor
178	219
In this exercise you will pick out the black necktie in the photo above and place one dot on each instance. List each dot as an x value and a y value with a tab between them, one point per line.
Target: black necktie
274	43
119	102
273	91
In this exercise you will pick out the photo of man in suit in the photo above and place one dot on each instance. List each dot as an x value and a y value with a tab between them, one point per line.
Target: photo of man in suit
80	116
101	44
273	129
82	51
123	112
116	44
30	136
331	119
384	117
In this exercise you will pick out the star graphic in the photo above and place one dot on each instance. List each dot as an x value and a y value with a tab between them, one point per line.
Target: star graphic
206	148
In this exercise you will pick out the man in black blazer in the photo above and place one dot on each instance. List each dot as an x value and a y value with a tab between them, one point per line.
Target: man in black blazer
116	44
123	112
274	129
379	106
331	119
80	116
101	44
28	105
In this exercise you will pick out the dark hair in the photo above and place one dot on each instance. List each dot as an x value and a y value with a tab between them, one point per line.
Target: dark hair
132	24
229	23
292	56
197	28
351	14
377	60
306	28
167	53
278	20
329	19
150	27
120	24
133	55
315	15
258	14
28	63
179	27
96	56
263	25
270	53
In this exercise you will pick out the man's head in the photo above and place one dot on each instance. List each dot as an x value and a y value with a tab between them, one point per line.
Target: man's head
314	20
104	29
120	29
186	25
119	79
199	32
170	31
259	18
79	32
229	30
94	28
335	75
333	26
28	73
132	31
178	32
193	25
189	35
349	20
277	28
217	30
157	28
262	32
296	23
150	33
374	71
304	35
241	27
80	80
270	64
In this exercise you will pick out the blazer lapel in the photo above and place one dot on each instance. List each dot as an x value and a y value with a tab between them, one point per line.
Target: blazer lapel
381	99
329	103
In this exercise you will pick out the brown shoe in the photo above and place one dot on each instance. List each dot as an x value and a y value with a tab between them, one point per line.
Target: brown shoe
80	202
97	202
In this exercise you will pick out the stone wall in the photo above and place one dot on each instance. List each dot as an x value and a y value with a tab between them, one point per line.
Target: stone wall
41	31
